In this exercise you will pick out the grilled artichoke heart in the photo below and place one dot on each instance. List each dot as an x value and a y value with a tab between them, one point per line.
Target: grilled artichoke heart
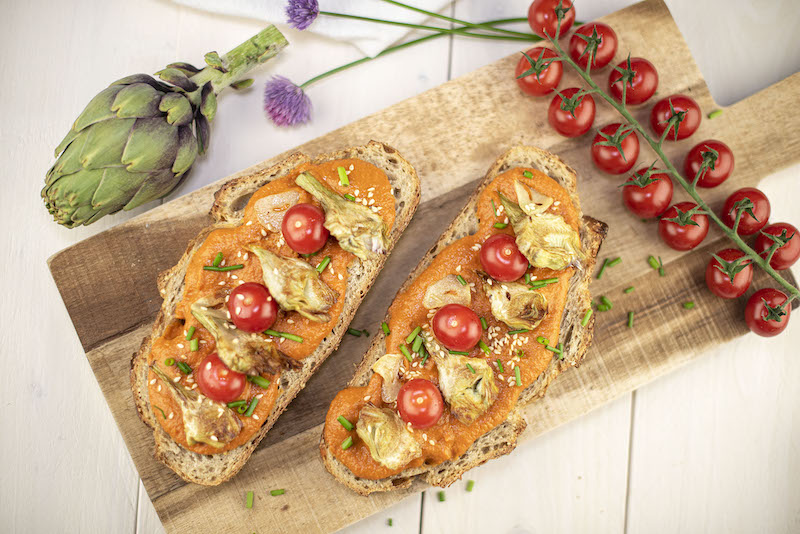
240	351
448	290
389	442
544	238
514	303
388	366
296	285
357	228
204	421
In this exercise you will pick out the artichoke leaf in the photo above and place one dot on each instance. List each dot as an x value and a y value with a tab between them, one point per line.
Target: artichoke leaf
295	285
271	208
204	421
448	290
389	441
178	109
357	228
152	146
97	110
105	143
388	366
187	151
137	100
514	304
468	393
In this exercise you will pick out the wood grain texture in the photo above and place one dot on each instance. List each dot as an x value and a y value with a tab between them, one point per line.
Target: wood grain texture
467	118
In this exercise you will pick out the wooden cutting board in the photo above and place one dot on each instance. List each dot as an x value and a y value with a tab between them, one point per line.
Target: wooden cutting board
451	134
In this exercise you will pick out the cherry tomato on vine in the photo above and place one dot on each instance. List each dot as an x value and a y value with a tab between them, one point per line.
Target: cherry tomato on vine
543	20
303	228
606	48
763	313
501	258
648	200
662	112
457	327
608	158
640	88
577	118
786	255
719	281
720	163
420	403
252	308
548	77
682	227
747	224
216	381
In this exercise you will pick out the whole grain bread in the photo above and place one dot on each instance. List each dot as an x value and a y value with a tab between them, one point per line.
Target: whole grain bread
227	211
575	336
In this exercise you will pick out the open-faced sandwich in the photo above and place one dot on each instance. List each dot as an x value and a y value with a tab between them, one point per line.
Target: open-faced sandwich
492	314
261	297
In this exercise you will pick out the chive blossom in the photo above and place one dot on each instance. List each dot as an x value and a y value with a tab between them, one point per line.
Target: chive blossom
345	423
343	179
260	381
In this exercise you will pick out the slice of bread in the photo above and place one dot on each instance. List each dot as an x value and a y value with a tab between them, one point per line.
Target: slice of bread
575	336
227	211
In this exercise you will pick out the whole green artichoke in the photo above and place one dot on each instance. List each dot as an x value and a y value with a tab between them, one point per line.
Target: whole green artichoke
137	139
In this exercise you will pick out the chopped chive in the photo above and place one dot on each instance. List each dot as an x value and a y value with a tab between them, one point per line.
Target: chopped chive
494	208
236	404
413	334
484	347
500	226
586	317
324	263
519	331
417	344
714	114
185	369
653	262
405	352
561	354
607	303
260	381
249	500
284	335
241	409
517	375
190	333
499	365
169	362
484	325
251	407
602	308
460	353
461	279
389	521
661	271
277	492
343	179
527	174
347	443
425	357
365	332
470	485
471	370
194	345
385	328
538	284
310	254
630	319
520	354
160	410
527	278
223	269
354	332
602	268
628	290
345	423
440	496
688	305
543	340
615	262
217	259
554	349
350	197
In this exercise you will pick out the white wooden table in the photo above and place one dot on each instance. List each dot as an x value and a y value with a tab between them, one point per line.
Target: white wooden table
714	447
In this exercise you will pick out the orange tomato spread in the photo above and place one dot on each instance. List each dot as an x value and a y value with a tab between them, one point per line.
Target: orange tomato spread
450	438
368	184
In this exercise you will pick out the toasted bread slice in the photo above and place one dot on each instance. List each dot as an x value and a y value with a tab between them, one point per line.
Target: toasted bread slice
575	336
228	211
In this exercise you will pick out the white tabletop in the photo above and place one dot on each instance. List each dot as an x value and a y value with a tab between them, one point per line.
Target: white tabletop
714	447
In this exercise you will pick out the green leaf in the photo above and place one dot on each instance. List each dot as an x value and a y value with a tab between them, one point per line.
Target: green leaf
178	109
98	109
142	78
105	142
684	218
203	131
117	187
213	60
152	146
208	105
186	68
732	268
242	84
187	151
178	79
155	186
137	100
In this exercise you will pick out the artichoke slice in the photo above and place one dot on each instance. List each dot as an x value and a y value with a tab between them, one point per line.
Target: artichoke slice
544	238
271	209
448	290
389	441
388	366
295	285
358	229
514	303
204	421
240	351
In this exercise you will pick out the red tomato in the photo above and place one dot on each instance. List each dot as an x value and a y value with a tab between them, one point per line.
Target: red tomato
640	88
501	258
543	20
747	224
608	158
686	236
457	327
420	403
252	308
303	228
681	104
548	78
575	122
650	200
786	255
216	381
720	283
713	176
606	48
758	317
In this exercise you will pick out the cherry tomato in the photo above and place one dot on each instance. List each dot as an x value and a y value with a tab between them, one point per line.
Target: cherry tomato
720	283
543	20
786	255
608	158
747	224
547	80
758	317
216	381
420	403
722	167
605	49
680	103
303	228
683	237
640	88
651	200
252	308
457	327
501	258
571	123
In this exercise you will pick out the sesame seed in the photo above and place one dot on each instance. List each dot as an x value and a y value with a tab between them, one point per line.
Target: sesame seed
158	388
356	192
369	195
239	254
171	415
255	416
351	167
234	277
222	283
290	321
176	379
340	276
153	381
367	398
259	395
246	255
249	223
375	210
214	438
458	269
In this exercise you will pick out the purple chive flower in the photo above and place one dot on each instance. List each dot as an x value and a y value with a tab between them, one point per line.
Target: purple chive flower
301	13
286	103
